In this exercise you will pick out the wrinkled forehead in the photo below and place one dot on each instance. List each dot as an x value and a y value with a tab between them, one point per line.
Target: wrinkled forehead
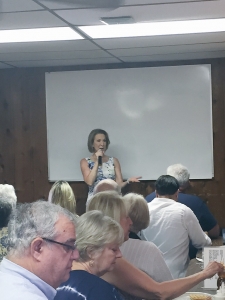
66	228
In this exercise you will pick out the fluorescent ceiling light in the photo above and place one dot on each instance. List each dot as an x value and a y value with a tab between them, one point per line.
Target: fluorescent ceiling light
39	35
154	28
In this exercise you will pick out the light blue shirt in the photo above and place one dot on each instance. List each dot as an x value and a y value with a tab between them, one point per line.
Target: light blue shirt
17	283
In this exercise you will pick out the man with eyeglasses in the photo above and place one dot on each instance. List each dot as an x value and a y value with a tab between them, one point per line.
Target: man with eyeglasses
41	240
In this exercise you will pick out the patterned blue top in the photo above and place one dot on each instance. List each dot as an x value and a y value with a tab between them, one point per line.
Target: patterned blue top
106	171
85	286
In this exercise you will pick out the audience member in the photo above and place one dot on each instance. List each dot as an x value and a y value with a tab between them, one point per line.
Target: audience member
41	239
62	194
143	254
196	204
98	241
127	277
8	201
172	226
5	211
107	185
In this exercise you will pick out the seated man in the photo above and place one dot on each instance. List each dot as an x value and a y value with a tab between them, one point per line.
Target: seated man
172	226
103	186
41	239
107	185
200	209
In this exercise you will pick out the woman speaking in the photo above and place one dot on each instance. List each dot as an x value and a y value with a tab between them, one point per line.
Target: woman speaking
100	166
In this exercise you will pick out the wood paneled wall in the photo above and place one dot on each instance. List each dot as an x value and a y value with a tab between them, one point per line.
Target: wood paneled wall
23	137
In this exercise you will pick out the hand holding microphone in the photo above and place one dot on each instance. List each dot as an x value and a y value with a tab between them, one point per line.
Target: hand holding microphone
99	155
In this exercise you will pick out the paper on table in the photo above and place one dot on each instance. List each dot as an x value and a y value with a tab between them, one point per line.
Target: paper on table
211	254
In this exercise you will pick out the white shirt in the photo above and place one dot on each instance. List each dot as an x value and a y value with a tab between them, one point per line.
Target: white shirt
17	283
146	257
172	226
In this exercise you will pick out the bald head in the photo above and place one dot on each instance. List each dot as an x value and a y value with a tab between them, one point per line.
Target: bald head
107	185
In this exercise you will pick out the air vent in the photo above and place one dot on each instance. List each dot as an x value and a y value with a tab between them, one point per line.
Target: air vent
117	20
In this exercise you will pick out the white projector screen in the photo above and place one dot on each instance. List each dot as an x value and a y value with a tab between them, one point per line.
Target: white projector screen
154	117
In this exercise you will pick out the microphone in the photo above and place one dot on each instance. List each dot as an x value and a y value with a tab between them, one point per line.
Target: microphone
100	158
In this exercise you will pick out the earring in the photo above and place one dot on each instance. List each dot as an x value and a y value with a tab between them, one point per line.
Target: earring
91	263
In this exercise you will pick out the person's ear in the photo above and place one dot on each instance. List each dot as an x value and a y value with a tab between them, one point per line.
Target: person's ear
36	248
157	195
176	194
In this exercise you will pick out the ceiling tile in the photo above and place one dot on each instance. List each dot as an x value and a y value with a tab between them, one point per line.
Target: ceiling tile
150	41
72	62
148	13
168	49
89	4
18	5
48	46
174	56
33	19
4	66
54	55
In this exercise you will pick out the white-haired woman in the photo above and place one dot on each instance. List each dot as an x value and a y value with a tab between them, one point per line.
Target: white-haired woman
143	254
130	279
8	201
62	194
98	241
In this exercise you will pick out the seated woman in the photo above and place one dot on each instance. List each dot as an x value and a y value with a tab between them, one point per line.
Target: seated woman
8	201
98	241
143	254
62	194
127	277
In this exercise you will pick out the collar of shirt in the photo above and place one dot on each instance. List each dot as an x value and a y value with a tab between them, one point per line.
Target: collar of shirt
8	266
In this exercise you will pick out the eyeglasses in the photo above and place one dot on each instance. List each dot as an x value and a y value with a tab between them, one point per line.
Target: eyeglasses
69	247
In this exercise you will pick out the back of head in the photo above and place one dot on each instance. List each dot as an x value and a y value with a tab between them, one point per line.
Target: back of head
181	173
31	220
137	210
8	201
166	185
107	185
110	204
7	194
62	194
5	211
94	231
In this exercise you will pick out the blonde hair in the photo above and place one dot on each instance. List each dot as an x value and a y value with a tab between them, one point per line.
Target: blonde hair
62	194
110	204
94	231
138	211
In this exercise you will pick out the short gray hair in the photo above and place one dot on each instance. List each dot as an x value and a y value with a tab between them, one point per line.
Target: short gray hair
107	185
110	204
180	172
94	231
7	194
137	211
31	220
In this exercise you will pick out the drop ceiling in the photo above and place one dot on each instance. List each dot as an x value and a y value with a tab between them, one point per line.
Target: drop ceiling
18	14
